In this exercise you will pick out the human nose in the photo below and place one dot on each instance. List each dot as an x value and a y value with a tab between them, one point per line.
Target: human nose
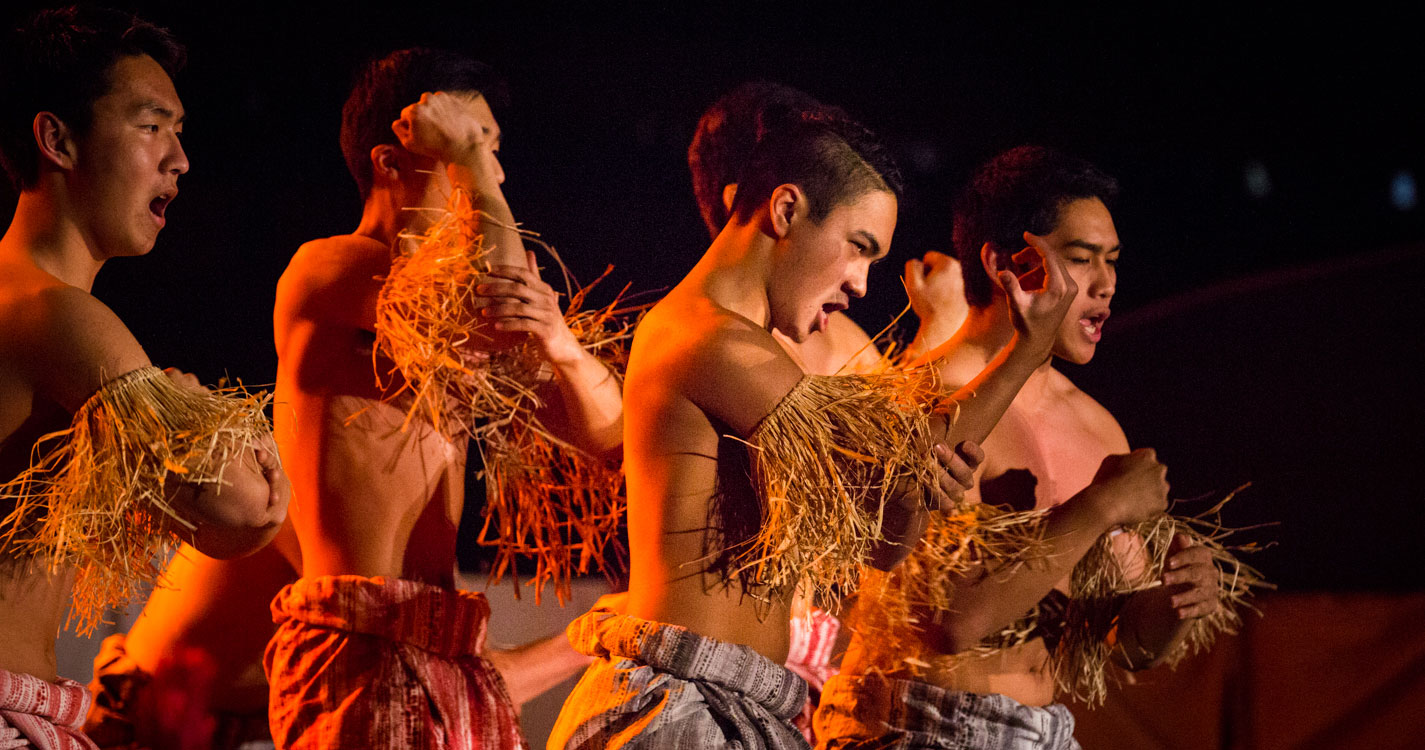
176	162
499	169
855	285
1104	281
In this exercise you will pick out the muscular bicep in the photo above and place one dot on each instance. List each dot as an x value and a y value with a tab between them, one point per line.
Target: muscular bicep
739	376
79	345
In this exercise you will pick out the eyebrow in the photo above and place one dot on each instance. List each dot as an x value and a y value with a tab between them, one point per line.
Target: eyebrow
870	240
162	111
1091	247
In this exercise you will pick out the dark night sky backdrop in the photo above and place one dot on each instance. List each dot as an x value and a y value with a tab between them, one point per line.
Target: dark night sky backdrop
1272	338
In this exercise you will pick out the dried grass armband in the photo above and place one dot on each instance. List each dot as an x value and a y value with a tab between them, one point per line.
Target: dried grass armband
94	495
1100	586
825	463
546	499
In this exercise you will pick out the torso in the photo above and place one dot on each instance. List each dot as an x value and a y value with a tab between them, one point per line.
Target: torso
367	498
687	483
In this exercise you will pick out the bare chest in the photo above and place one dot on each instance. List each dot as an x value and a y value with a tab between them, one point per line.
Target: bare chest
1038	458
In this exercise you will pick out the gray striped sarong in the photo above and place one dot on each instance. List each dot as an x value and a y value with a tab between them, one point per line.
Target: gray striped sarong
654	685
861	712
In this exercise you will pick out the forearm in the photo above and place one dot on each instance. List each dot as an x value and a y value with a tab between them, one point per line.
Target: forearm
986	600
589	406
900	532
494	221
972	411
930	337
534	668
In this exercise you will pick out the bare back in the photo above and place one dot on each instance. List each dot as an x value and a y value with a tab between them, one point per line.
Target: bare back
368	498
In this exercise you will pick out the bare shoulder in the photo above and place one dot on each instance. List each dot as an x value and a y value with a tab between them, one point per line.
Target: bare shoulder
332	262
850	345
724	363
1091	414
332	277
63	339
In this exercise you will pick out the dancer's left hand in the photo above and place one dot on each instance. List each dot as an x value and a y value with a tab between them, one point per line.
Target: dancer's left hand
1191	578
955	474
516	300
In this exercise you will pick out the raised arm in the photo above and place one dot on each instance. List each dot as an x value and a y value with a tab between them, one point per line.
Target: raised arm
973	410
440	126
584	398
936	290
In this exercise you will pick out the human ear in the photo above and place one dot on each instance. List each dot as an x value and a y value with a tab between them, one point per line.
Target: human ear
385	162
729	191
991	261
783	207
54	140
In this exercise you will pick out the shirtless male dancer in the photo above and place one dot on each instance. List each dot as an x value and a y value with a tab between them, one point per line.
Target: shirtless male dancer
218	612
90	139
696	661
1055	447
723	142
375	647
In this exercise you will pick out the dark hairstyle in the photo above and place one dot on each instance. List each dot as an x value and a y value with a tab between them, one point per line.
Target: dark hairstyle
61	61
834	160
1020	190
384	87
729	130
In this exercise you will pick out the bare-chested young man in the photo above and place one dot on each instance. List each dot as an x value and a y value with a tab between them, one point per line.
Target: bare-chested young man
1055	447
375	647
696	661
722	143
90	130
217	613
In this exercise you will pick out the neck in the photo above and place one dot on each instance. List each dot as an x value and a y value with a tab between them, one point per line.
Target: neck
734	272
381	216
45	234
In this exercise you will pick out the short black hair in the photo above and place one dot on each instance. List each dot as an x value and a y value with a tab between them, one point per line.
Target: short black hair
61	61
384	87
728	132
1021	190
833	159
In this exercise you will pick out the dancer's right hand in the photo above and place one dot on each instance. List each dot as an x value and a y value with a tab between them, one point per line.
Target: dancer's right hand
442	126
1130	487
955	474
1040	292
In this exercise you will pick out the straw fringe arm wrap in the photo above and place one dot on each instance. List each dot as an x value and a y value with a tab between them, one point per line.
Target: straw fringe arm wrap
973	535
1100	586
892	605
94	495
546	498
826	462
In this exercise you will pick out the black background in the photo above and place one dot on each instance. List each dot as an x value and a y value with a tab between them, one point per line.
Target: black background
1273	339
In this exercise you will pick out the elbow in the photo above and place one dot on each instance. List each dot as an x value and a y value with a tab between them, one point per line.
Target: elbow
240	516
